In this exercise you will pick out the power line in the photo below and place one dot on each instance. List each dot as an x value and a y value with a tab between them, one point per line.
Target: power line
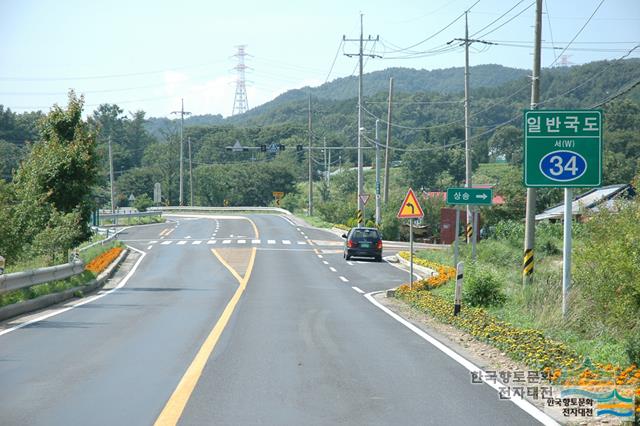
334	61
509	20
497	19
578	33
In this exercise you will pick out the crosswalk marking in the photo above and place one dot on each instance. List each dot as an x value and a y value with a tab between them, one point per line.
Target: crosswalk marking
211	242
181	243
196	242
166	243
226	241
302	243
286	242
271	241
152	242
255	241
241	241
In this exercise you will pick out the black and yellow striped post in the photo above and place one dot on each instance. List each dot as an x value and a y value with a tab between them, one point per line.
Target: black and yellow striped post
469	232
226	203
359	217
457	302
527	265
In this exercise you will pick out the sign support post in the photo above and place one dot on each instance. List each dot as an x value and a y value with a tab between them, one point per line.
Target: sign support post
457	302
411	254
566	250
474	237
455	242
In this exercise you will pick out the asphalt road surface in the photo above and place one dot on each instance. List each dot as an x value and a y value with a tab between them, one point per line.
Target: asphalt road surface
237	320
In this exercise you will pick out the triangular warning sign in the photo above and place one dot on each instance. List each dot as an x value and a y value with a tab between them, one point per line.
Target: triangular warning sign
410	207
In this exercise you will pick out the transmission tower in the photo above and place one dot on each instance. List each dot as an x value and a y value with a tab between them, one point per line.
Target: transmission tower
240	103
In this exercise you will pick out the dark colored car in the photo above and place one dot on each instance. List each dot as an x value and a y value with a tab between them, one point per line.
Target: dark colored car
365	242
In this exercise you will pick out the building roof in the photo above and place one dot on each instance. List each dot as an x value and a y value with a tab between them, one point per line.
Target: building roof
590	200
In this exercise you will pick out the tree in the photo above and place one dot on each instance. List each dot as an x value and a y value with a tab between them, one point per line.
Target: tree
59	173
506	141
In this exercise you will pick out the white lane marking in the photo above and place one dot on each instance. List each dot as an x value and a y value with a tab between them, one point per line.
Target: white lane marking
149	248
302	243
196	242
521	403
358	290
271	241
255	241
320	256
297	229
152	242
231	236
211	242
242	241
361	262
350	263
166	243
302	232
100	295
332	269
181	243
226	241
188	236
325	262
286	242
288	220
344	279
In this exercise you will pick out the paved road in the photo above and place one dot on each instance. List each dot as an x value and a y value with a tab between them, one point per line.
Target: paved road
236	321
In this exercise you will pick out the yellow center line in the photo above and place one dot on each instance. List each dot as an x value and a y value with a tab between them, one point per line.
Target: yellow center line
174	407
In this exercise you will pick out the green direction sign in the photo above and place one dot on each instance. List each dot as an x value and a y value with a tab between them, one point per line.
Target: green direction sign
562	148
473	196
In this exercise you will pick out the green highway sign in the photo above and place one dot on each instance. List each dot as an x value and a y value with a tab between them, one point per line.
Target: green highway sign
562	148
472	196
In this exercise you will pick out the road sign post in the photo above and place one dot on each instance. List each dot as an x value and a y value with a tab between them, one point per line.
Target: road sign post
364	198
457	303
469	197
563	149
411	210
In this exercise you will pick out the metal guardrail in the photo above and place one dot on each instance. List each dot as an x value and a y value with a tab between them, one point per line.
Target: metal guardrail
24	279
126	215
227	209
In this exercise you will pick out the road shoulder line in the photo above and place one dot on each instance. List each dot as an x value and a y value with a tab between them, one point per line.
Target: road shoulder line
521	403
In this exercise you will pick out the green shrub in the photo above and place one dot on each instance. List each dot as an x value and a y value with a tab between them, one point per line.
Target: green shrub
483	287
632	348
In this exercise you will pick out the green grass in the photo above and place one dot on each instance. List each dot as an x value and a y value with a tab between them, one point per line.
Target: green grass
316	221
537	306
128	221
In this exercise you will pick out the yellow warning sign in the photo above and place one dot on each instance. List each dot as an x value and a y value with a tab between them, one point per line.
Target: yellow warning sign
278	194
410	207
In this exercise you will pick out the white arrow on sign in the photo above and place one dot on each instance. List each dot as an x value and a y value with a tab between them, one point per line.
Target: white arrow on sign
483	196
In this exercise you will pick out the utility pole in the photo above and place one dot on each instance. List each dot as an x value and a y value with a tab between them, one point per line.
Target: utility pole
530	215
310	209
111	177
378	218
386	151
360	55
324	151
190	176
182	113
466	41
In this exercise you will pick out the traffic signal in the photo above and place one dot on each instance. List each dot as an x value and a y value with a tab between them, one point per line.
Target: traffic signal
263	148
299	148
281	147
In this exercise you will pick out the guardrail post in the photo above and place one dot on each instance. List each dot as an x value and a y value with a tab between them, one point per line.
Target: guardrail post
458	296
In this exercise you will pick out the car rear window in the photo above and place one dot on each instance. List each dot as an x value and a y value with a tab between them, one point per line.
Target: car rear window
365	234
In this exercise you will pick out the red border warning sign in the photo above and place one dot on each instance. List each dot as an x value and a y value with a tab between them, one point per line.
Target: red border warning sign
410	207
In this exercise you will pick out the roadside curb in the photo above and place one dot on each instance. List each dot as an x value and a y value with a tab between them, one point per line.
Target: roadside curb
47	300
424	272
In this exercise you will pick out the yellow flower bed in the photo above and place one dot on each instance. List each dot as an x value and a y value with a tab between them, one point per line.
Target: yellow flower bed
101	262
443	274
558	363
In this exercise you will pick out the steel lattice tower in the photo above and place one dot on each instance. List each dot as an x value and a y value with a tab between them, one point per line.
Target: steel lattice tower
240	103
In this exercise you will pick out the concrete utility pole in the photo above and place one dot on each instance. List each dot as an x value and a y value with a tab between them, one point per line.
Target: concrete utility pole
111	177
182	113
530	215
386	150
466	41
190	176
324	152
378	212
360	55
310	209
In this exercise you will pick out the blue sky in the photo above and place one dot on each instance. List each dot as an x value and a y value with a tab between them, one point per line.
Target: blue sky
149	54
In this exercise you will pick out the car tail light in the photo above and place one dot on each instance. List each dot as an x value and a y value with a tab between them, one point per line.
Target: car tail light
379	245
352	244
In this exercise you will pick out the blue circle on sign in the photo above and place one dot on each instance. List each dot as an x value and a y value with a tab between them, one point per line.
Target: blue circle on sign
563	166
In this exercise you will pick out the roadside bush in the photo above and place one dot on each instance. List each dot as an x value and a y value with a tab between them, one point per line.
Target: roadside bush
607	269
633	349
483	287
143	202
